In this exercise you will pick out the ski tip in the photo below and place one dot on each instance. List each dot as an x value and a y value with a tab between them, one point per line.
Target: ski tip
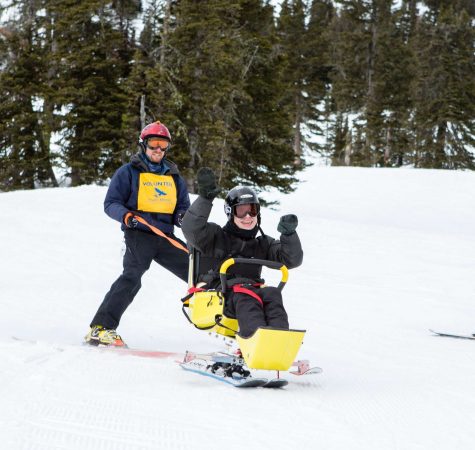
453	335
310	371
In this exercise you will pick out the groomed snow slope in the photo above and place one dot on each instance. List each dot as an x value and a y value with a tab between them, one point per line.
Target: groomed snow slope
388	255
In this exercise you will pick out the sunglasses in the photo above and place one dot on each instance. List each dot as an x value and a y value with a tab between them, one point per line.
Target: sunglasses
241	211
157	144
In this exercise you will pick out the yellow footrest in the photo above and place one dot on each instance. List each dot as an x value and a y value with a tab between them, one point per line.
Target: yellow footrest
271	348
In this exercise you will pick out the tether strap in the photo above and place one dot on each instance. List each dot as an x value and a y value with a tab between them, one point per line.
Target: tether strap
242	290
161	233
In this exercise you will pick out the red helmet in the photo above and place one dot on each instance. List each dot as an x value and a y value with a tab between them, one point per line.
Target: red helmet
155	129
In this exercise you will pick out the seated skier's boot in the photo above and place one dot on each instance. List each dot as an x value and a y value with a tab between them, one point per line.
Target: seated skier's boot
98	335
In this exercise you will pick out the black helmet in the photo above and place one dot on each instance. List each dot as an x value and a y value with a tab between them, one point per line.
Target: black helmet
240	195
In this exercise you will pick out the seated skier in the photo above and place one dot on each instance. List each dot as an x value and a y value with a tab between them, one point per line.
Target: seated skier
253	306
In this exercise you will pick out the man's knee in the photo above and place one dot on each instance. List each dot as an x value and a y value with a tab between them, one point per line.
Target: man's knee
133	274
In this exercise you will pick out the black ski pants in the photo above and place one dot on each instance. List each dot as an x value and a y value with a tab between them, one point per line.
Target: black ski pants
141	249
252	314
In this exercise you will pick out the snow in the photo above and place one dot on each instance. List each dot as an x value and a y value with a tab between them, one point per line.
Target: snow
389	253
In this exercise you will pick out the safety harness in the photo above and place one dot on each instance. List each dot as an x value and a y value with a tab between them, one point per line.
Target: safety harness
239	288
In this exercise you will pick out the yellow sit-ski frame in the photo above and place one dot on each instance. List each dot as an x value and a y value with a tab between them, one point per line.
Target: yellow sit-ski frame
271	348
268	348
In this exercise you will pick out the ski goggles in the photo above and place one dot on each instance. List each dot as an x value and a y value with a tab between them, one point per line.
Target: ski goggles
157	144
241	211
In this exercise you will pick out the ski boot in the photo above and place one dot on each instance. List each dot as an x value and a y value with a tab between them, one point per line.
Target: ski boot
98	335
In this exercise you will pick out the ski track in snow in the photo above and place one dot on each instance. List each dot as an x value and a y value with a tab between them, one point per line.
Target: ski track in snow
388	255
96	416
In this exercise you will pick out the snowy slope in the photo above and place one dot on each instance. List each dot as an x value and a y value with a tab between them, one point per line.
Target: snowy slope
388	254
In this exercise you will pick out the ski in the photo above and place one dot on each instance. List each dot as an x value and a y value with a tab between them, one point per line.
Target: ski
453	335
302	367
206	363
228	368
202	367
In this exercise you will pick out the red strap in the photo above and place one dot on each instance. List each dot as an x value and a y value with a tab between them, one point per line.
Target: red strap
242	290
189	294
194	289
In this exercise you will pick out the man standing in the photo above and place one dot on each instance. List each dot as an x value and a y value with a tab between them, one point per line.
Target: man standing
148	197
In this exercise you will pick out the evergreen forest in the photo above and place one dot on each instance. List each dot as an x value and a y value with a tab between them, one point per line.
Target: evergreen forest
251	88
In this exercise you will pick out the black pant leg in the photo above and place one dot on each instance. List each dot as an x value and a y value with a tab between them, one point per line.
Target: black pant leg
172	258
248	311
274	310
139	253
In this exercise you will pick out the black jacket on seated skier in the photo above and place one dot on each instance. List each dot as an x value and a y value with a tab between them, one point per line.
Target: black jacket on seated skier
251	305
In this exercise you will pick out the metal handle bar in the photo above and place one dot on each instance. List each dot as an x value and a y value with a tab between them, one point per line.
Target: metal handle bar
258	262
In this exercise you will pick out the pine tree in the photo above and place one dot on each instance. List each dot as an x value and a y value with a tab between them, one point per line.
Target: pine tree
349	43
436	6
318	69
371	80
135	115
307	67
213	73
389	101
152	89
125	13
25	156
264	156
445	90
338	147
292	32
201	82
92	62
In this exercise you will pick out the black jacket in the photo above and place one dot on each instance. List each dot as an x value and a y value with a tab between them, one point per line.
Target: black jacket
216	244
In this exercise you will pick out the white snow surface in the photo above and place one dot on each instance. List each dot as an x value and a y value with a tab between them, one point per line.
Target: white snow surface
389	253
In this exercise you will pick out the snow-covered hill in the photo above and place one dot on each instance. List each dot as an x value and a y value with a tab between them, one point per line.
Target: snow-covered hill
388	254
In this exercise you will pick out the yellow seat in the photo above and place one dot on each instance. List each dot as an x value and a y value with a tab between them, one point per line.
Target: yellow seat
206	313
271	348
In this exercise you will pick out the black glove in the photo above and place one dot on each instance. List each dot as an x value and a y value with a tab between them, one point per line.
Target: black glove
130	221
287	224
179	218
207	186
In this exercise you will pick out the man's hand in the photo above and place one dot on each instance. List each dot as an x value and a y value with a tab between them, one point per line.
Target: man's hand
179	218
130	220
